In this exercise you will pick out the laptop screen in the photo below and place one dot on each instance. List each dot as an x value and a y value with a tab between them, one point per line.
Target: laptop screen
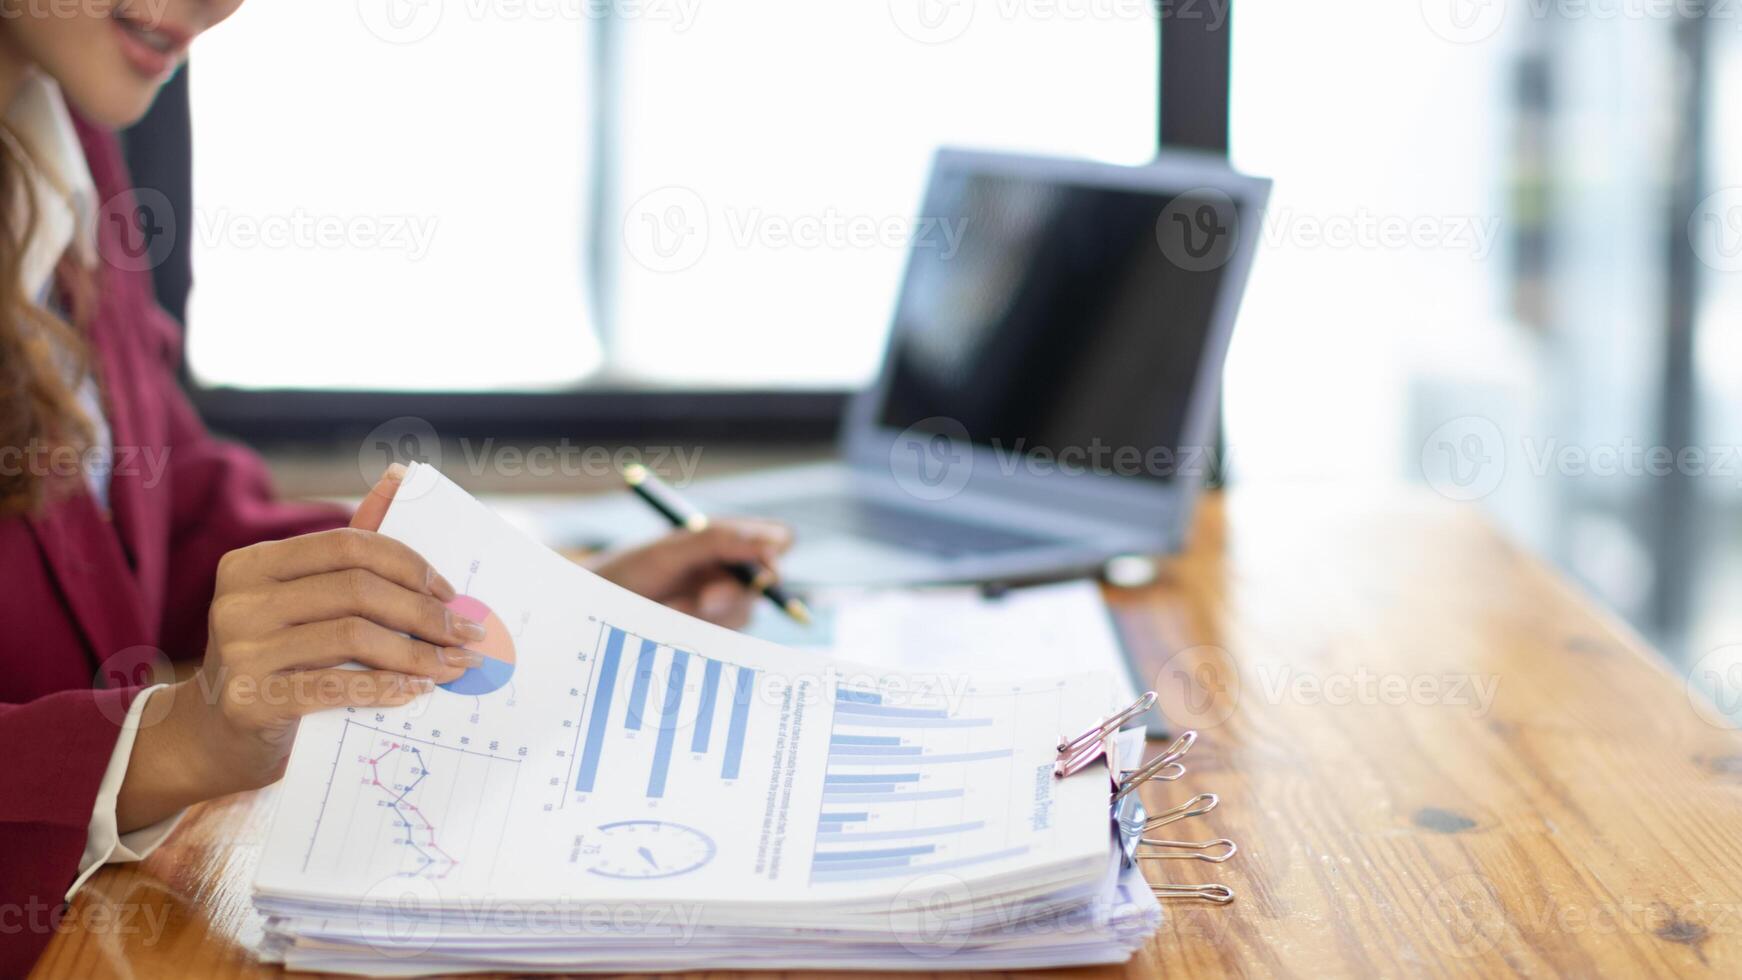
1054	321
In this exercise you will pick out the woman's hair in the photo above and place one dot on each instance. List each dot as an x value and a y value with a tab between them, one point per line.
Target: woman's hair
41	423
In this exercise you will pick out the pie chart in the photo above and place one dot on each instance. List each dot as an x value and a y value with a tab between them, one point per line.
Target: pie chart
497	647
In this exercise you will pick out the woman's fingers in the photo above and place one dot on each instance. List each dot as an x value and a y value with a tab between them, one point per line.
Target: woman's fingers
355	639
752	538
366	595
334	551
304	692
665	567
727	602
373	509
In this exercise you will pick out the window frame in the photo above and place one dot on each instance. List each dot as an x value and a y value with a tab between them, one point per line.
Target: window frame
1193	80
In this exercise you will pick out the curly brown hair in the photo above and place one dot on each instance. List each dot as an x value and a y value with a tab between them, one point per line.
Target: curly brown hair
39	355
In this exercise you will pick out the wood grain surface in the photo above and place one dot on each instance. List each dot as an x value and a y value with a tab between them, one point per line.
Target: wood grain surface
1437	757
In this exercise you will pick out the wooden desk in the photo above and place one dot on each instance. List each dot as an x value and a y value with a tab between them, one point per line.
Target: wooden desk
1335	654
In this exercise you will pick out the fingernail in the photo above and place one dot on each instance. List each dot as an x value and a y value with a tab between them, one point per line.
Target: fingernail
417	685
715	605
461	657
440	587
464	627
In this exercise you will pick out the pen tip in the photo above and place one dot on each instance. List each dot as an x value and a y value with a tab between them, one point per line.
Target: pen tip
634	474
798	611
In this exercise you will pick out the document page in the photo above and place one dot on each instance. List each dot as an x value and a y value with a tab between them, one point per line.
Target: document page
1035	631
610	747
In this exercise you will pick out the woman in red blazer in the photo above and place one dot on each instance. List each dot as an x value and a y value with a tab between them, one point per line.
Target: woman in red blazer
158	540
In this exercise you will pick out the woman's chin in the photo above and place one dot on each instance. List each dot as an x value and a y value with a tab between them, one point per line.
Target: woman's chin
115	101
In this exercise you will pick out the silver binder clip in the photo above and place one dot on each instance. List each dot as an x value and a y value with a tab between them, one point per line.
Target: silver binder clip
1197	806
1076	753
1165	766
1131	822
1219	894
1214	851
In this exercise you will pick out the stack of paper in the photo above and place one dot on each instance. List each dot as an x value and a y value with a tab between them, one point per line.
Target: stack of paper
1033	631
621	787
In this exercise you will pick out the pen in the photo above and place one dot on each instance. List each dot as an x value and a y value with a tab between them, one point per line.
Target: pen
678	511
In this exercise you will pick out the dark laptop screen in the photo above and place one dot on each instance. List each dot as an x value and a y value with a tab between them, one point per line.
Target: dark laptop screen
1056	321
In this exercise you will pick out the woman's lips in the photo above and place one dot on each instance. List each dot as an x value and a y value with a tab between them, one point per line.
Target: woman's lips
153	50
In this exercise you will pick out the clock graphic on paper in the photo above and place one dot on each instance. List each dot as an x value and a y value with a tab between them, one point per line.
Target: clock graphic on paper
650	849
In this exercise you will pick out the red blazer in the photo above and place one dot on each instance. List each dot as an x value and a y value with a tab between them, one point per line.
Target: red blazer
81	587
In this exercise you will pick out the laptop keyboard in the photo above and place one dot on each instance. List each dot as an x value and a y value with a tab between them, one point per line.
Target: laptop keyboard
898	527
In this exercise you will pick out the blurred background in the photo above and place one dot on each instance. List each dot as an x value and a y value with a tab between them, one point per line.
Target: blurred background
1501	258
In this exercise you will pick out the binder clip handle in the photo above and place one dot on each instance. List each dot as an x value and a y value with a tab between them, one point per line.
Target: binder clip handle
1197	806
1165	766
1213	851
1076	753
1219	894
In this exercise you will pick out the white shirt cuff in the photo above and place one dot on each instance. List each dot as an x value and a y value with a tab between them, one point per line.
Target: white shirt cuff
104	843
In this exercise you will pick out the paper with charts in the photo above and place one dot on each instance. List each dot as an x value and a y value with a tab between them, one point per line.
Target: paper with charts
611	747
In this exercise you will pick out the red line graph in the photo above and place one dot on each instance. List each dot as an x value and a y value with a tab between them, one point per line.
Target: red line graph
404	810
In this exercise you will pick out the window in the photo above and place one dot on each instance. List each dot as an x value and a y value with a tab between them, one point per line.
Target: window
450	203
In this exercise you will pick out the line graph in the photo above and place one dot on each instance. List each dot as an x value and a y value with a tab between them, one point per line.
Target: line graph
410	804
421	837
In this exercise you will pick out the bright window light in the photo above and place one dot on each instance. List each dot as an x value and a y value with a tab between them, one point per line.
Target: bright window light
450	164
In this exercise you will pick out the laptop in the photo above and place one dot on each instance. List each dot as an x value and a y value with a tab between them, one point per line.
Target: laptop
1049	392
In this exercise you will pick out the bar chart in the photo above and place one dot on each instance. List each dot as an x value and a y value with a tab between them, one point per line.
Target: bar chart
914	788
688	706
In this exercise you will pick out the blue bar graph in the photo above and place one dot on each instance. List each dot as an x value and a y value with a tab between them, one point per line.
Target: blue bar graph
851	794
885	711
886	852
705	714
643	680
875	721
835	740
668	724
841	835
838	817
833	873
860	697
871	864
601	710
874	749
921	760
740	720
906	777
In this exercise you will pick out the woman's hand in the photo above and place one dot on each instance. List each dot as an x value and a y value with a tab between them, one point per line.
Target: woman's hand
686	569
284	617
